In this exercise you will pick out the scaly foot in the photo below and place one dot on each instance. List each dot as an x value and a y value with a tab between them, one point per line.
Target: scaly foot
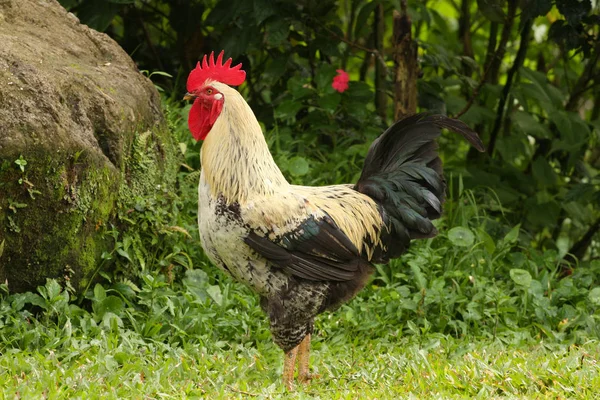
307	377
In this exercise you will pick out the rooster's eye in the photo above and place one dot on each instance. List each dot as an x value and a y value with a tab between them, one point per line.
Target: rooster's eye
209	91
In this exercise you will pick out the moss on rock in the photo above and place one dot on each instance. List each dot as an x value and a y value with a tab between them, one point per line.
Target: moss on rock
89	134
50	213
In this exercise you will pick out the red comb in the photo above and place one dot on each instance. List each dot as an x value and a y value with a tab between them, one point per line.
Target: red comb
218	71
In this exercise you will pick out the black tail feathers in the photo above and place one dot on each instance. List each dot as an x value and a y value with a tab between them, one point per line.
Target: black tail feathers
403	174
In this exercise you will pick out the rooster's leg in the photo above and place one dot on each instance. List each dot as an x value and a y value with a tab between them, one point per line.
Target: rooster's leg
303	358
289	365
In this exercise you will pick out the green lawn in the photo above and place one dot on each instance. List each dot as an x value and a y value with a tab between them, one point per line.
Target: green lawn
397	367
227	353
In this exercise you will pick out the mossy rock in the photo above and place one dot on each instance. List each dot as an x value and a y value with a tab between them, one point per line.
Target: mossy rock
81	131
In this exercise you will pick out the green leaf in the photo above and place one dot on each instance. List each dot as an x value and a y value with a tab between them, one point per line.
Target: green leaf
324	77
542	213
543	172
513	234
122	357
330	48
161	73
298	166
99	292
223	12
124	253
420	279
2	247
537	290
529	125
20	299
594	296
53	289
521	277
535	8
287	109
461	236
360	91
196	282
124	289
513	147
562	122
330	101
214	291
574	10
430	97
298	87
540	88
517	259
564	34
277	32
492	9
583	192
263	9
113	304
488	242
574	132
236	42
274	70
21	162
361	20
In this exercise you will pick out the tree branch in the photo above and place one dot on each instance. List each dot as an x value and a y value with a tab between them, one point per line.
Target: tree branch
524	44
581	86
405	61
380	68
577	251
464	35
596	109
375	52
349	30
496	61
475	93
491	47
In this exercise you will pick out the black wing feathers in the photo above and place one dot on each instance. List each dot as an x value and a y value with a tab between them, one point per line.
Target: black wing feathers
316	250
403	174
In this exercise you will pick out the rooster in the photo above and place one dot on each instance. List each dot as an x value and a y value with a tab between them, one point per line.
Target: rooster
306	250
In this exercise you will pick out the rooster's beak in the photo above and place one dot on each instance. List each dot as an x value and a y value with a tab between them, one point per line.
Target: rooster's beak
189	96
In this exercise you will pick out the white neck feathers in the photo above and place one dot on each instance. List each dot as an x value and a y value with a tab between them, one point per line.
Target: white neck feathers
235	157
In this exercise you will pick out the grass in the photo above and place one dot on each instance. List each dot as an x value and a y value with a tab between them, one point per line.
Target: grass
226	352
440	368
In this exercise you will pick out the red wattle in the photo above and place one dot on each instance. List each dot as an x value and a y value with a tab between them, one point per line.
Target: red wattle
202	118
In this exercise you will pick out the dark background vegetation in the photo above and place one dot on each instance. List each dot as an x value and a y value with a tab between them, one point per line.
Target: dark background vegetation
525	74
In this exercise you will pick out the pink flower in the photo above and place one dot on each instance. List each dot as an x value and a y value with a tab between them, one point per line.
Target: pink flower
340	81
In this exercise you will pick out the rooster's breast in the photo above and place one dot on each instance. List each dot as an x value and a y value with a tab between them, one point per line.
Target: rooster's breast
222	234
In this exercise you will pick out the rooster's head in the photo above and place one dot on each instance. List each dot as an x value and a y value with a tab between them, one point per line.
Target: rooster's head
203	88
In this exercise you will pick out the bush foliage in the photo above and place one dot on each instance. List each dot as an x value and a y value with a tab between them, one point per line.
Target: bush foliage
523	73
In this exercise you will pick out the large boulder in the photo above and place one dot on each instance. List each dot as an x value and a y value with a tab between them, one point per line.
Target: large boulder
81	129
